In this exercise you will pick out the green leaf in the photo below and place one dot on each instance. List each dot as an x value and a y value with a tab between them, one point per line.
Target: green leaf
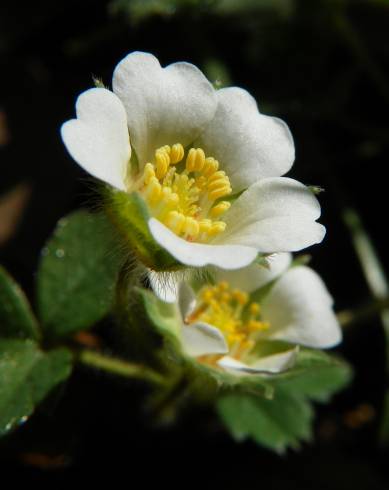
77	274
286	419
275	424
16	316
27	375
316	375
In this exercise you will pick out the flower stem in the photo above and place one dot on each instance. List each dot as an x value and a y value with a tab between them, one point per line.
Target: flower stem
119	367
349	318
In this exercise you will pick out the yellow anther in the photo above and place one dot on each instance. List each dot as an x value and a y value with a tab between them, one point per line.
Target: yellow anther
200	160
191	227
219	209
256	326
217	227
220	174
189	193
161	168
175	221
240	296
255	308
153	190
210	166
223	286
195	160
191	160
226	297
176	153
235	337
223	190
205	225
148	172
207	295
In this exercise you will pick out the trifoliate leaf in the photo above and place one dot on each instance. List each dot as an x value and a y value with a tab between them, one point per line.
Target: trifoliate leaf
77	273
316	375
27	375
16	316
285	420
276	424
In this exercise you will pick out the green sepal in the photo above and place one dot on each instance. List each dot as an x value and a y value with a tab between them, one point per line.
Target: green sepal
16	316
77	274
129	214
27	375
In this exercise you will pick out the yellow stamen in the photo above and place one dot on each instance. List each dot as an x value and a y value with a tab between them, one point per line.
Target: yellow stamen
219	209
189	192
176	153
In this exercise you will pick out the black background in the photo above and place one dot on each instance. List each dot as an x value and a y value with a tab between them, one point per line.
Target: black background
323	67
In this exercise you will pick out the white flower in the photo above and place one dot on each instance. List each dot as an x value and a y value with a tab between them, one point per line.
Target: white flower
206	162
233	323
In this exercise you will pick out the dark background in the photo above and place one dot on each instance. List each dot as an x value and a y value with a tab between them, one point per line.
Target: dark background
323	66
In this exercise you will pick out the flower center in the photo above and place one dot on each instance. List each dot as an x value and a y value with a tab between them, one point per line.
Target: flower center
231	311
186	195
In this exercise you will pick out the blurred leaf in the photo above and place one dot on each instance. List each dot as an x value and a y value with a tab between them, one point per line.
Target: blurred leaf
275	424
138	10
281	7
316	375
27	375
16	316
286	419
77	274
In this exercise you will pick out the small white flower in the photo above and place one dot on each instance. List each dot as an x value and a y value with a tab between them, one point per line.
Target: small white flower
188	150
232	323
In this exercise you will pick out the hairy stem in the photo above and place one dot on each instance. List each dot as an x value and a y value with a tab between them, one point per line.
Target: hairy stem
119	367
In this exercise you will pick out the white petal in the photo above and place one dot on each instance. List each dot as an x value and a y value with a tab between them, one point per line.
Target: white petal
164	285
274	215
199	254
299	310
186	299
164	105
248	144
273	364
98	139
200	339
255	276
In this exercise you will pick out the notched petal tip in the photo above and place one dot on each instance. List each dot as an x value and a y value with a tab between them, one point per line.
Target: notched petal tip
98	139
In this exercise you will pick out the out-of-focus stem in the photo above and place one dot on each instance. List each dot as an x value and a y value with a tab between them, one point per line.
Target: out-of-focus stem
355	316
371	266
119	367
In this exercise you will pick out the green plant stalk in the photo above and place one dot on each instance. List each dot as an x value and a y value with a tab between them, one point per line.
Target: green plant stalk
379	287
119	367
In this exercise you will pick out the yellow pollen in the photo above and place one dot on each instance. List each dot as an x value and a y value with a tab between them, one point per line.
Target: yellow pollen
219	209
181	192
230	310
